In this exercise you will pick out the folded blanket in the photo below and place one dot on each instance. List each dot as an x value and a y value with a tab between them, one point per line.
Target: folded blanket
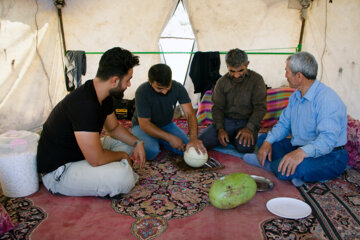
203	114
277	99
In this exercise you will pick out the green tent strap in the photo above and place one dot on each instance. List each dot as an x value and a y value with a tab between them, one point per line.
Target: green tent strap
254	51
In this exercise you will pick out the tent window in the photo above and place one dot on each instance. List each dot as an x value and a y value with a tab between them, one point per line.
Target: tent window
178	36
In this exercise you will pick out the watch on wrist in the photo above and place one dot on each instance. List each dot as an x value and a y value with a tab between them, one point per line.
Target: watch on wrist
136	142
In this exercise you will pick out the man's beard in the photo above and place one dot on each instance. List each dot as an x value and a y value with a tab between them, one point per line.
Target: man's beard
161	94
237	79
117	93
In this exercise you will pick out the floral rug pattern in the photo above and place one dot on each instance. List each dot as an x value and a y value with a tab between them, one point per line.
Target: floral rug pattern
149	227
165	191
335	212
24	215
282	228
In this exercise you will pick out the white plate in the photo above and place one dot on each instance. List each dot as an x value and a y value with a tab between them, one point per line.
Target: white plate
288	207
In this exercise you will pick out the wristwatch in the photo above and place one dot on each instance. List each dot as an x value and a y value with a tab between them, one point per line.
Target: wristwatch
136	142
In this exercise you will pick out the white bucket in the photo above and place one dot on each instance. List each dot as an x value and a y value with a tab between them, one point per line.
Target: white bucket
18	171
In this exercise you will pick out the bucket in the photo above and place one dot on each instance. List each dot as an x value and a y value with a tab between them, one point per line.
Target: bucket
18	171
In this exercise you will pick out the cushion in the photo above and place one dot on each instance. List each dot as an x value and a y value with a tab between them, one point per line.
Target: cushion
5	221
203	115
353	144
277	99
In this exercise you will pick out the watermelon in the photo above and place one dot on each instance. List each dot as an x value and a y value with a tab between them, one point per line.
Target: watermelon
232	190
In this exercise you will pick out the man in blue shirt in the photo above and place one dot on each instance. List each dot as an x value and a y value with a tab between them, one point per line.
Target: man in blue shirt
317	122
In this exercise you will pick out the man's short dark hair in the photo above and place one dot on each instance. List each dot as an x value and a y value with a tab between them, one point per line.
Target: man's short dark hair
160	73
116	62
236	58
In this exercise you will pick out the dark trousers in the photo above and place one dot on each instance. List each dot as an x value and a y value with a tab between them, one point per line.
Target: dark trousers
310	169
210	140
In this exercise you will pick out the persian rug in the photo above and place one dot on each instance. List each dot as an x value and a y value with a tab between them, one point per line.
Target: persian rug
24	216
335	212
336	205
164	192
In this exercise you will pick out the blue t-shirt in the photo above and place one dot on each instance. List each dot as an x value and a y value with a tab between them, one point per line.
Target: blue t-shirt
159	108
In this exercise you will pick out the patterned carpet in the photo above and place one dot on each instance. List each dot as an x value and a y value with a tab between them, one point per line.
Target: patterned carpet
336	205
335	212
167	195
24	216
163	193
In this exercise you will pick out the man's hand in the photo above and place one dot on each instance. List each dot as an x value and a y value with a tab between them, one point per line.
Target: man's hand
223	137
246	137
290	162
177	143
197	144
139	155
264	151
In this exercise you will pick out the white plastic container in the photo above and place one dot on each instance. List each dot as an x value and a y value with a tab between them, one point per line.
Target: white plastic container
18	171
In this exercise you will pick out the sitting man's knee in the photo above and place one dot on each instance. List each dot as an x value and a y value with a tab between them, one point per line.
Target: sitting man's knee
124	180
244	149
274	165
151	154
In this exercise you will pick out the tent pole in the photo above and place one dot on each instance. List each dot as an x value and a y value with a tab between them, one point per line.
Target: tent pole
298	49
62	29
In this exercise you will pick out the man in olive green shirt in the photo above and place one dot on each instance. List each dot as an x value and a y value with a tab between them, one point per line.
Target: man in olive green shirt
239	106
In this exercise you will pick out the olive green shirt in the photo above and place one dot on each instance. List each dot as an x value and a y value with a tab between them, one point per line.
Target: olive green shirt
240	99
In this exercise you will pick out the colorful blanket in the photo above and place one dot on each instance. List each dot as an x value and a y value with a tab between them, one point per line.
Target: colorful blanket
353	144
203	114
277	99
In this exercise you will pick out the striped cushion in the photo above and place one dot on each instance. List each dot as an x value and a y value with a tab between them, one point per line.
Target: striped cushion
277	99
203	114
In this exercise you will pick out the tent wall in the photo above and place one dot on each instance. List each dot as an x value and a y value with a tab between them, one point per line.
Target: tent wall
332	35
248	25
134	25
32	78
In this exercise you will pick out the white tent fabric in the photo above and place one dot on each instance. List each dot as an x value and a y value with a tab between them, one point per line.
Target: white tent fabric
135	25
332	35
31	68
31	65
248	25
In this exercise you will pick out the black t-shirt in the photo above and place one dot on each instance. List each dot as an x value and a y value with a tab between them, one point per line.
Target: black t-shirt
160	108
78	111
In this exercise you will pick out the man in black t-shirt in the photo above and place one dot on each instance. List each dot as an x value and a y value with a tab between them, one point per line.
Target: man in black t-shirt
72	157
152	121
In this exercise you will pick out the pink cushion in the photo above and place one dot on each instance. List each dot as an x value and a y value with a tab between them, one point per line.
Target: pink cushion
5	221
353	144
